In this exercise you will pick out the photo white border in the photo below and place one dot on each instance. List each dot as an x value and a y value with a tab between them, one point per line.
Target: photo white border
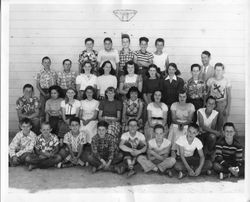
126	196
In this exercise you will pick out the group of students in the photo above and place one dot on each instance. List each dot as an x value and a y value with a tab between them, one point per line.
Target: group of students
125	108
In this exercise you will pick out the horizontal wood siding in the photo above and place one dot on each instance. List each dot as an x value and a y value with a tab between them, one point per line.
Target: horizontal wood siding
59	30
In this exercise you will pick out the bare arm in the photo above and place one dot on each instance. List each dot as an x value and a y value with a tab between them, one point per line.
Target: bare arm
123	147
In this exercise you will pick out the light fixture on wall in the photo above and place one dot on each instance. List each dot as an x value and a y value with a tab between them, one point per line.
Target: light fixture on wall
125	15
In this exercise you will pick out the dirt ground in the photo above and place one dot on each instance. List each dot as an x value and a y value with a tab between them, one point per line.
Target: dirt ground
53	179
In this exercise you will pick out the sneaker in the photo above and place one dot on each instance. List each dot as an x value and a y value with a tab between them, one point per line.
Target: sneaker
181	175
130	173
234	171
59	165
221	176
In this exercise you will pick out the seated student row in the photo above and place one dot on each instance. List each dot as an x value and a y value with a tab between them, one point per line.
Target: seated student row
105	155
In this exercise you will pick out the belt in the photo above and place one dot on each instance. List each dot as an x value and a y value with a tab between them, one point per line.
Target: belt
157	118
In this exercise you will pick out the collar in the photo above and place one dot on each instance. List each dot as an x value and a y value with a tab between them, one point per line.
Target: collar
142	52
25	135
43	70
136	101
122	51
174	78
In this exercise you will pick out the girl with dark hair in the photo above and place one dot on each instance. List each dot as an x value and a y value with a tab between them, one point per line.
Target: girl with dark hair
151	83
110	111
171	85
132	109
131	78
106	79
88	113
53	108
157	114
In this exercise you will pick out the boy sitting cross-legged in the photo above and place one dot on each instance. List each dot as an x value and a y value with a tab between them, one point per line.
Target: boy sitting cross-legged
229	154
159	150
186	160
22	144
133	144
105	155
75	149
46	149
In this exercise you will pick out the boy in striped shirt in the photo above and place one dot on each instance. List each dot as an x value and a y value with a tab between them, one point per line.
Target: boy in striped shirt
229	154
142	57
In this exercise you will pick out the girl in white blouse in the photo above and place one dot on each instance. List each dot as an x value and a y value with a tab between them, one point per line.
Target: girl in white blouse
88	113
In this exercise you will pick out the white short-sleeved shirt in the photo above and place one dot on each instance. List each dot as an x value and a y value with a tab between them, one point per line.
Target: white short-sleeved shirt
134	141
71	109
83	80
189	148
207	120
182	113
89	107
153	145
218	88
112	56
105	81
157	111
160	60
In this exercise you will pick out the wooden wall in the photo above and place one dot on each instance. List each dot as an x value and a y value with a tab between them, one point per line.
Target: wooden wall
59	32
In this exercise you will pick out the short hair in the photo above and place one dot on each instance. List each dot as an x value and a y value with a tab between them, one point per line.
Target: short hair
130	62
101	70
130	120
111	88
143	39
74	119
159	126
207	53
28	86
193	125
107	39
210	97
86	62
102	124
89	88
45	123
131	90
159	40
46	58
125	36
195	65
229	124
26	121
219	64
156	68
67	60
177	71
57	88
89	39
153	94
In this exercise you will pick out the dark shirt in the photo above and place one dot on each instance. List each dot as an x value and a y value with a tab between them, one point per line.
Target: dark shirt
230	153
171	90
110	108
150	85
103	148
